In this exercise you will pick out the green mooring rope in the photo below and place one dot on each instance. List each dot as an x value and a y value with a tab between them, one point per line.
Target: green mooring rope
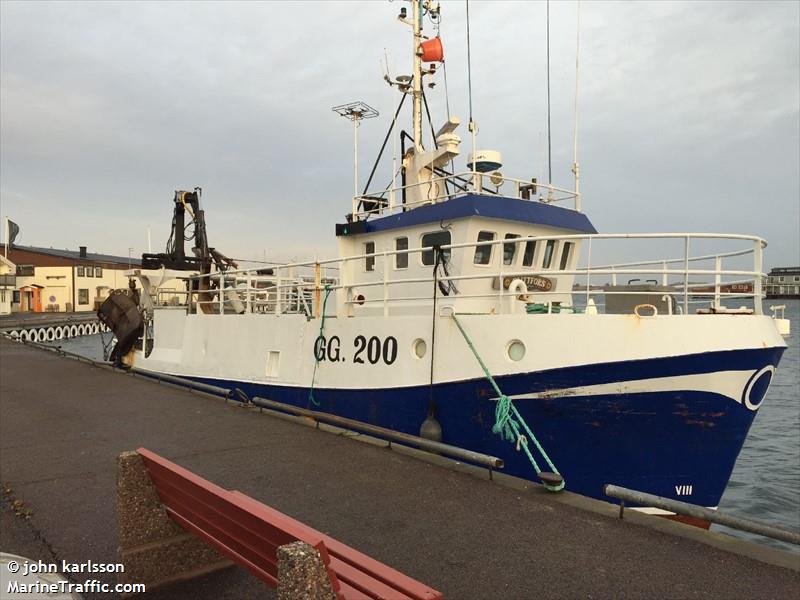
508	420
313	400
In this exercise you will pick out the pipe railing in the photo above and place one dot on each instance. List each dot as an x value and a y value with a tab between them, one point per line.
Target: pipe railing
475	182
286	292
698	512
491	462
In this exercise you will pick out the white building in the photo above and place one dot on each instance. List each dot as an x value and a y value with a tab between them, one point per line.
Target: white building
8	283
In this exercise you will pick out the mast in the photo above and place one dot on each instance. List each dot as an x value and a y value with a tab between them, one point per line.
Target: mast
416	8
575	166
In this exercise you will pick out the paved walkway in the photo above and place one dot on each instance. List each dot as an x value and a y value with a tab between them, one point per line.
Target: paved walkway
62	423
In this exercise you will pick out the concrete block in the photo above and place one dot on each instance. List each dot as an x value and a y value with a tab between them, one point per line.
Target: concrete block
155	549
302	574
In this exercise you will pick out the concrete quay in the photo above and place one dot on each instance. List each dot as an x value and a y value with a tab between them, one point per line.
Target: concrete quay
63	422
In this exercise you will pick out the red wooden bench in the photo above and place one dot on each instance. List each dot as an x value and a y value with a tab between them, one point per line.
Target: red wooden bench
249	533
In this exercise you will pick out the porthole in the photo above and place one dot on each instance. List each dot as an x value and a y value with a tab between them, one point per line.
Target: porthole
515	350
419	348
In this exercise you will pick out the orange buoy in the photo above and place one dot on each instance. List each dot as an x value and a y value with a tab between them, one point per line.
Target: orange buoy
432	50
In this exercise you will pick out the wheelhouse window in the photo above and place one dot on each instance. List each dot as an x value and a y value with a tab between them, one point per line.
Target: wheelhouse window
565	255
530	250
437	238
80	271
401	260
369	261
510	249
548	254
483	254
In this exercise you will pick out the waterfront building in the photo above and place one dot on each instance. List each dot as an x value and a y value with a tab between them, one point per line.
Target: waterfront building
54	280
8	278
783	282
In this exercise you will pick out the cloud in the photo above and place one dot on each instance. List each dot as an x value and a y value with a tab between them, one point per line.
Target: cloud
688	114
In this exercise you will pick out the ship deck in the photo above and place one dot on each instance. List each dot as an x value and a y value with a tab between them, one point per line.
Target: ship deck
62	423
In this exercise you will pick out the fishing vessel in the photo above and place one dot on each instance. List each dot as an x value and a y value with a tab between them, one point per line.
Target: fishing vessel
471	306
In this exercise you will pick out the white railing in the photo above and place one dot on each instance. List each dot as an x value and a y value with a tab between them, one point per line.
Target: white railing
300	287
390	200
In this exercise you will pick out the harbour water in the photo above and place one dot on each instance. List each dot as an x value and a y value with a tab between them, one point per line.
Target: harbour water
765	484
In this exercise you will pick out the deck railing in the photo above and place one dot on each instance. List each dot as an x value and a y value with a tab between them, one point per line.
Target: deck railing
301	287
391	200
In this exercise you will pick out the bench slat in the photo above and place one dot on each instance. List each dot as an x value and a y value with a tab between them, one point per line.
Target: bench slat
249	532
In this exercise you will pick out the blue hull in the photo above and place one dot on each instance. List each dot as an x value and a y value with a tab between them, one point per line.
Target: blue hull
656	442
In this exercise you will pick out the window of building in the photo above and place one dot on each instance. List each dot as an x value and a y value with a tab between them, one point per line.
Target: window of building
15	297
530	250
483	254
25	270
510	250
2	295
89	272
565	255
98	271
780	278
401	260
797	278
80	271
430	240
548	254
83	296
369	261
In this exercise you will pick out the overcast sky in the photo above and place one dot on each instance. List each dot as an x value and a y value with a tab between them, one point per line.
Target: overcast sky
689	114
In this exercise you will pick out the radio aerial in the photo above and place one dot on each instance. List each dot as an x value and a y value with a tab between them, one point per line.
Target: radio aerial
355	111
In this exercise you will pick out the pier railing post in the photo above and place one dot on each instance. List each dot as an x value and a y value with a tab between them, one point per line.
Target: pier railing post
278	290
757	282
385	283
686	275
317	290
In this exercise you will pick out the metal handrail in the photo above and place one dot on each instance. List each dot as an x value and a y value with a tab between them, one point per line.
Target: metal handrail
698	512
286	291
554	193
491	462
